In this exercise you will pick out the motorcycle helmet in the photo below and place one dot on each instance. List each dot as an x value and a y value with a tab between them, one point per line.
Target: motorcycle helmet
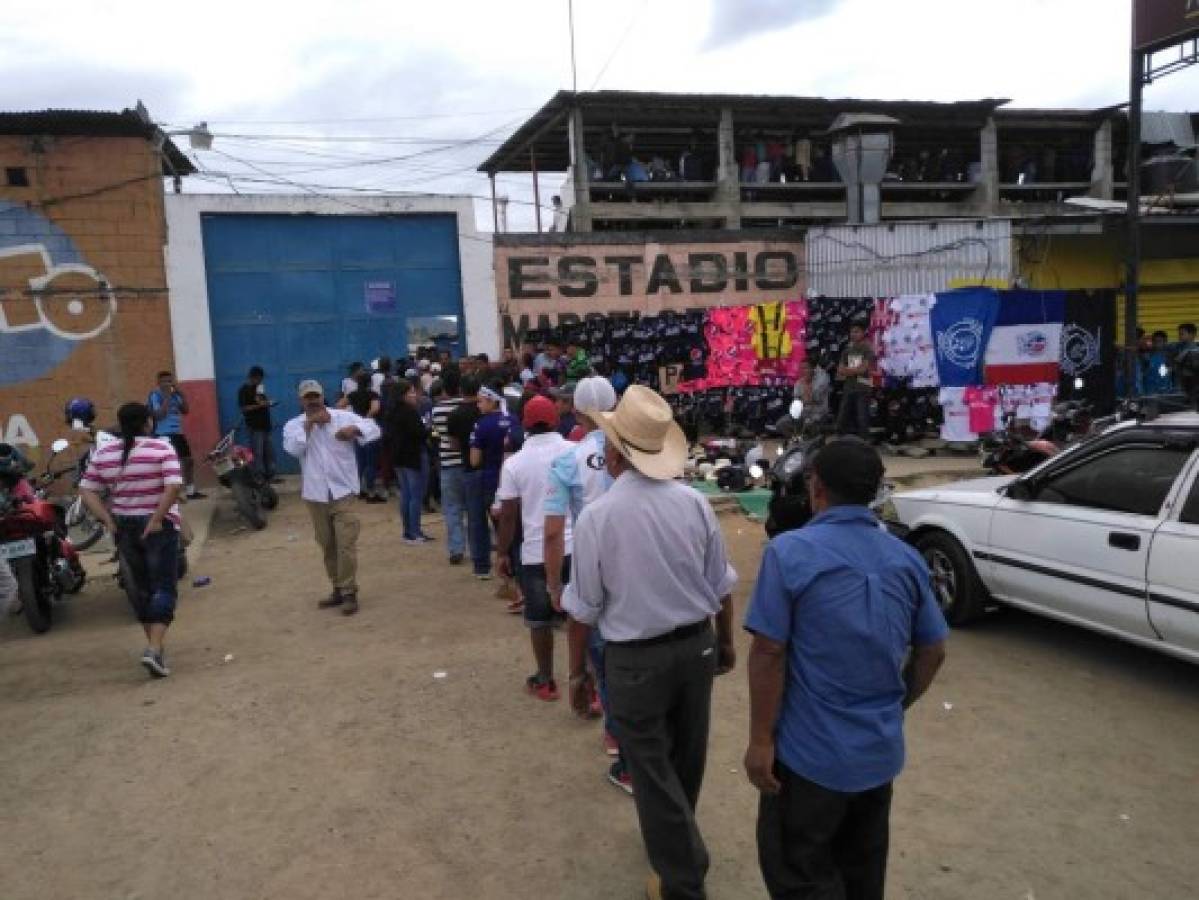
79	409
13	465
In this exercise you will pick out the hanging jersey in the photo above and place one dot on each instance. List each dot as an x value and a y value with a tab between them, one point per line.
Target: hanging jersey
771	337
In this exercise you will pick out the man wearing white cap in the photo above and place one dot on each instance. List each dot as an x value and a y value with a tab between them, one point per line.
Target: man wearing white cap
651	572
578	477
322	439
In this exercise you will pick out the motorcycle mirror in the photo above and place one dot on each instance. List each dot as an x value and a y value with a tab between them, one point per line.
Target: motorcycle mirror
59	446
796	409
755	471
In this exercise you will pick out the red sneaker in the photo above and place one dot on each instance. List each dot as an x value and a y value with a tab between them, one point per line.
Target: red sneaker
596	709
610	746
618	776
542	690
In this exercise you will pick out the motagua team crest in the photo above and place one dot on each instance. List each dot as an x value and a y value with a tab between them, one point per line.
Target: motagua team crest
1080	350
51	300
961	343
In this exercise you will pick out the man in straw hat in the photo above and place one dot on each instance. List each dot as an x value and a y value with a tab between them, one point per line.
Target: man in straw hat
651	572
323	439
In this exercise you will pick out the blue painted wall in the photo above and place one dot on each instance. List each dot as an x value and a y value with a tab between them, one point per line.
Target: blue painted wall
288	293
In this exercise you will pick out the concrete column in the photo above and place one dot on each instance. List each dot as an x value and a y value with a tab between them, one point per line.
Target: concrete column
580	177
728	175
1103	177
987	195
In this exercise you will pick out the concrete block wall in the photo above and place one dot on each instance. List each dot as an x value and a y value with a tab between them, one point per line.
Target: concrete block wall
83	293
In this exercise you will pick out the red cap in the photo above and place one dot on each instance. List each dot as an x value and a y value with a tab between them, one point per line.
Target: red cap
539	410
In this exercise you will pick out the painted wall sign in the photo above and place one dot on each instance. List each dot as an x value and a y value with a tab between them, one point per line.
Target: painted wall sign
50	299
539	286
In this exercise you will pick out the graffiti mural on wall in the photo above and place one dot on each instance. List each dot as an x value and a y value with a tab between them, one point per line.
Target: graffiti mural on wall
51	300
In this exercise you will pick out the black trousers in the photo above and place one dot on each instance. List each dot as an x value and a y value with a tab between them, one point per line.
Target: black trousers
660	699
817	844
853	417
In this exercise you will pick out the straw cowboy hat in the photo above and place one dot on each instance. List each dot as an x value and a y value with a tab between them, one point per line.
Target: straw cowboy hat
643	428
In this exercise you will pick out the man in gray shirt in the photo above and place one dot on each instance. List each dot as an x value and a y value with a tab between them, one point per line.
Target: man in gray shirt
651	573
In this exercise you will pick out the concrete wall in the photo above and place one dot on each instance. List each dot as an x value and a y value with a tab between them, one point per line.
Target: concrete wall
188	281
83	300
544	280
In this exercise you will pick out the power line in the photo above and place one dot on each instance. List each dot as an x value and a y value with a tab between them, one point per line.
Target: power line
447	115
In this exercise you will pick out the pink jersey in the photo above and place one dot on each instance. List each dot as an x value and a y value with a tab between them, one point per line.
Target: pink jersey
135	487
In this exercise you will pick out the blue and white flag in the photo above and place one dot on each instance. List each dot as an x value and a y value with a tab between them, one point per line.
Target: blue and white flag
961	324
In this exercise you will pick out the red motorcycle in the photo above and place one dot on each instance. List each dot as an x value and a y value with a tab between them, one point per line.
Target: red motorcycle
234	466
33	542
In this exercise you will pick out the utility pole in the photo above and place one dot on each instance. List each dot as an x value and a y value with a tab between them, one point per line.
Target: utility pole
574	74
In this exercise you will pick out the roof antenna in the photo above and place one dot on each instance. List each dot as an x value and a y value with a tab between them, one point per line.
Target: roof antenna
574	74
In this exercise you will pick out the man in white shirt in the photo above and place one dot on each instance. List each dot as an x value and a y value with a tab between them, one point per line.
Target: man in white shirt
524	483
322	439
651	573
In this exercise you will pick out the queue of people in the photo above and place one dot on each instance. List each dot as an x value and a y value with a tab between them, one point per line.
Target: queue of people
591	520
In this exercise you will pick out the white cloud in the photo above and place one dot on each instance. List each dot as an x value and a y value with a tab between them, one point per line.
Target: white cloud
306	60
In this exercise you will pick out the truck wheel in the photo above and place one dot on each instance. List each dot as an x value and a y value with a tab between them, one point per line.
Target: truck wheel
36	603
956	584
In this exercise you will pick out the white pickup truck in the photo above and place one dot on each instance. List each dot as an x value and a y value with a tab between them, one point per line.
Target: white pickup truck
1104	535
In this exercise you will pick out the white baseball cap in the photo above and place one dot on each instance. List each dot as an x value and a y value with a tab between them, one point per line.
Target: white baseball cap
594	394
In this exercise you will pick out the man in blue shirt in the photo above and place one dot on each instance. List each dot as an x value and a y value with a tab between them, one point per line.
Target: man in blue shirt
168	406
836	609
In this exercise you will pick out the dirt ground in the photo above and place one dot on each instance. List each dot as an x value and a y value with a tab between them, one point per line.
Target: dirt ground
326	760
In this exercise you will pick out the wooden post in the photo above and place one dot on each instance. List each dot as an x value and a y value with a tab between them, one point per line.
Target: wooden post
536	186
495	212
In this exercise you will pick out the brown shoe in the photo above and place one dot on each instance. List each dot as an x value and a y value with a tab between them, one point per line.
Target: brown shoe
351	605
653	887
334	599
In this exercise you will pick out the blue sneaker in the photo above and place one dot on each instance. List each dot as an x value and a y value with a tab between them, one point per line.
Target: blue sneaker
155	663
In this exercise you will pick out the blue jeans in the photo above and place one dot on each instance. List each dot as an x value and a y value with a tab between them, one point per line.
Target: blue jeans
595	652
151	568
264	452
412	498
368	464
478	523
453	507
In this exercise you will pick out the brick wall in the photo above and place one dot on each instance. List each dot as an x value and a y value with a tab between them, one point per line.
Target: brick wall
544	280
82	280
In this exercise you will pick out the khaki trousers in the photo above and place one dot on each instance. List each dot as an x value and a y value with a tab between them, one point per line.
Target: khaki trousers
336	525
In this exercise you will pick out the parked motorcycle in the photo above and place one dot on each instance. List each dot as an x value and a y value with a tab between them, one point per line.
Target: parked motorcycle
1014	451
790	507
252	492
33	543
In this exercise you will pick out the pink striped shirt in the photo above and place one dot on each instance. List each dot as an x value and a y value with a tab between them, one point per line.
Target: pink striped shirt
136	487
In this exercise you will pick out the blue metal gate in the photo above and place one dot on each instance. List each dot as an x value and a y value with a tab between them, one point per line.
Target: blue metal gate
303	296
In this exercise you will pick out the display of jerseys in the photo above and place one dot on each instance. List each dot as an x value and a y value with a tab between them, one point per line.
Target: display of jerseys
826	331
961	323
955	416
772	340
1088	358
1031	403
1025	346
906	346
982	405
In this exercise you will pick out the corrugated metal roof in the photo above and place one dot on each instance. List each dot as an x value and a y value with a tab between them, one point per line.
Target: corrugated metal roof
96	123
891	259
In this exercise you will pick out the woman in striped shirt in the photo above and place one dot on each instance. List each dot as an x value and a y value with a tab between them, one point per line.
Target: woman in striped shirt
142	477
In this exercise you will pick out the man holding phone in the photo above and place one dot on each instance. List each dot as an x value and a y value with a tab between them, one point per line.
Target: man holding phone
322	439
168	406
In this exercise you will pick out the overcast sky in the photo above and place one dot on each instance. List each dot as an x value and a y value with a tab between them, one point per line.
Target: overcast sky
279	83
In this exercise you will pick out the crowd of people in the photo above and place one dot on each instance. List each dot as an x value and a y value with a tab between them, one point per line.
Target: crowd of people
573	490
1162	366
